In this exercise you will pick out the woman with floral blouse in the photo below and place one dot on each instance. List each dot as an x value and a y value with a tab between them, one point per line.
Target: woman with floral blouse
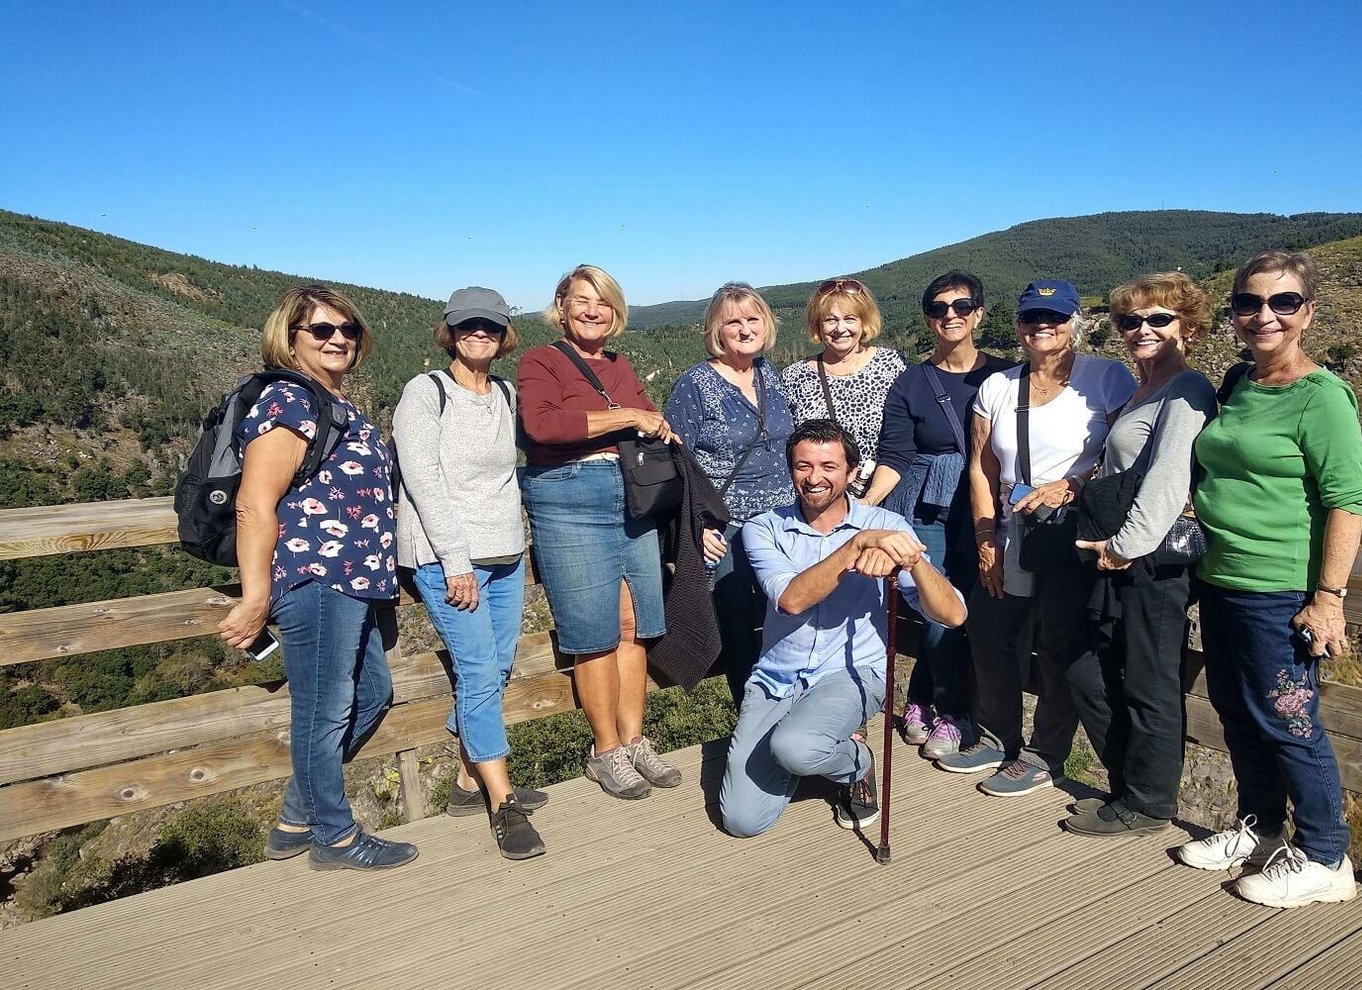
317	554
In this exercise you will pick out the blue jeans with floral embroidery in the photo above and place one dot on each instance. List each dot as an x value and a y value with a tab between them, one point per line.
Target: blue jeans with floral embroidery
1265	688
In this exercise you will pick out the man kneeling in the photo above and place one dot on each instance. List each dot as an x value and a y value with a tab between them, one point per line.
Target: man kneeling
821	672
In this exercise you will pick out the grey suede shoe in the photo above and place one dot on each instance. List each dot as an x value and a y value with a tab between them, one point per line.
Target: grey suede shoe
650	766
516	837
474	802
616	774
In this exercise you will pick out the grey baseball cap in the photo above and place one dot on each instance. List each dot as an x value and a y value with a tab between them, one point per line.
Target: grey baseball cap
474	303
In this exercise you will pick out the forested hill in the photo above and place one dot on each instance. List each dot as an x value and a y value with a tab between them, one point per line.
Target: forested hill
1096	253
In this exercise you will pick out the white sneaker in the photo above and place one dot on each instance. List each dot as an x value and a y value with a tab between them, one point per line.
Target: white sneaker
1290	879
1233	847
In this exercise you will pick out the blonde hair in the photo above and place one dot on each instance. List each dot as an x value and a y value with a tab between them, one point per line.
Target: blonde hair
736	294
606	287
296	305
859	303
444	338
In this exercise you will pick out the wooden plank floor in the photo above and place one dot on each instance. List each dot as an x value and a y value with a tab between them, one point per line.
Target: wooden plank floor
982	893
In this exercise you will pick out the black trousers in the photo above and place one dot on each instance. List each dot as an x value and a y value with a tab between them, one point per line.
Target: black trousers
1128	690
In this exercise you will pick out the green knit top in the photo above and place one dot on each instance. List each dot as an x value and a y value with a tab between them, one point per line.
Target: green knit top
1275	461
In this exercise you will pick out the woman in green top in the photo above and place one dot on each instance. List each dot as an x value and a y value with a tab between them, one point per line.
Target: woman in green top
1281	501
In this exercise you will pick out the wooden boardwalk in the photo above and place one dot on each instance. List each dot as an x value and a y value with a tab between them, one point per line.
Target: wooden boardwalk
982	893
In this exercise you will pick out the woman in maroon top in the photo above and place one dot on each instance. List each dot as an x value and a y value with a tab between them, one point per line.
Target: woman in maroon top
600	569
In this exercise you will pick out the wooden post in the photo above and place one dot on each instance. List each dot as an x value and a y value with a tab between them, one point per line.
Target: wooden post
413	796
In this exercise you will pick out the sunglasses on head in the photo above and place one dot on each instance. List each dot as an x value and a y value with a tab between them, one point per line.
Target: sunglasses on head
322	332
1034	316
1129	321
840	285
1281	303
961	307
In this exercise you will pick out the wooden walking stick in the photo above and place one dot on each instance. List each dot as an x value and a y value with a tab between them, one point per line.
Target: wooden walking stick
891	591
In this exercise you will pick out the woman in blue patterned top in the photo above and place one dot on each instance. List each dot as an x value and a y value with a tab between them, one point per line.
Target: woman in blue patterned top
733	414
317	555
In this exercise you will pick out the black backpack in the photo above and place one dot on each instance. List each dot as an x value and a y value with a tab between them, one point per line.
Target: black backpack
205	497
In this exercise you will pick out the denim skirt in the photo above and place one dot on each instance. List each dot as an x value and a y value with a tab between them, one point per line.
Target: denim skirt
584	545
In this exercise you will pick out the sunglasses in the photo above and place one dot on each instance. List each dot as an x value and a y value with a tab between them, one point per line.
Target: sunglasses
840	285
473	326
1129	321
1281	303
322	332
1034	316
960	307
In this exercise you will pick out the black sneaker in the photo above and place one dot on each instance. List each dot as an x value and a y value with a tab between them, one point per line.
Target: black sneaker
858	804
367	852
462	802
516	837
281	844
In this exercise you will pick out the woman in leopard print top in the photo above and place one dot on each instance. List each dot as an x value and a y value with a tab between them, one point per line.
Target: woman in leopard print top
848	381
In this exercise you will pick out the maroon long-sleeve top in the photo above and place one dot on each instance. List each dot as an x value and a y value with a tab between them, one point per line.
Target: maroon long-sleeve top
555	398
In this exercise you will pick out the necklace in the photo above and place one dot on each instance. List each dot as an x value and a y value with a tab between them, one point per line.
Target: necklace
1061	382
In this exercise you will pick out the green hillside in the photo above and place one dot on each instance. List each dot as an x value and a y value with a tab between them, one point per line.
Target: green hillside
1095	252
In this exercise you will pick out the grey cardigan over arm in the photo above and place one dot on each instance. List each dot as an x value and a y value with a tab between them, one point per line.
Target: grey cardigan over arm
458	501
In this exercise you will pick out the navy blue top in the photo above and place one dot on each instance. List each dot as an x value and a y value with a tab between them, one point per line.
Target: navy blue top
717	422
913	423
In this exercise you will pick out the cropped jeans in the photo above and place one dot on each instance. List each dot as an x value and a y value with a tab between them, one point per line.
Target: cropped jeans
339	687
1265	688
481	645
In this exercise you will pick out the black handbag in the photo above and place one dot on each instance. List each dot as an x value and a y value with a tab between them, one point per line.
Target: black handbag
1047	545
652	485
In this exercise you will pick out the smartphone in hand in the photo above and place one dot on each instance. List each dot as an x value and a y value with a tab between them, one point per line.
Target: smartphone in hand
263	646
1019	491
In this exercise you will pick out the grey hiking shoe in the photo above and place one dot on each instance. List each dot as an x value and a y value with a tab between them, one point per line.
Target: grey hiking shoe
516	837
650	766
616	774
462	802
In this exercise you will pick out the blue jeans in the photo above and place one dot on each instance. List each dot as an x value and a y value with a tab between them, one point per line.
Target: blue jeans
481	646
804	734
1265	688
339	687
740	605
938	678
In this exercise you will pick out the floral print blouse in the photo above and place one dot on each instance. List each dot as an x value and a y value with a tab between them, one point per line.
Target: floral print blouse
336	527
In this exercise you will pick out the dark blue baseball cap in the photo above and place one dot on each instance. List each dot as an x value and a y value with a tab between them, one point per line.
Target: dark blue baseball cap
1050	293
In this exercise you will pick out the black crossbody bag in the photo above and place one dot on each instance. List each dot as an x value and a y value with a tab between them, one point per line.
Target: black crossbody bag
652	485
1047	545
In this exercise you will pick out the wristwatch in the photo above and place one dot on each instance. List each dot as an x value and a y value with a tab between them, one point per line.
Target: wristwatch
1340	592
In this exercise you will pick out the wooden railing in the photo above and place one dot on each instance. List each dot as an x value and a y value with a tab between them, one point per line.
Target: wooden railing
71	771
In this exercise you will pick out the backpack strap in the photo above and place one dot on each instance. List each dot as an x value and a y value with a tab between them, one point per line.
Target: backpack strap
1232	376
332	419
435	376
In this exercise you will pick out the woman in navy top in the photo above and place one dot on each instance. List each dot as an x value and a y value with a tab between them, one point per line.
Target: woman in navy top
733	414
921	466
317	554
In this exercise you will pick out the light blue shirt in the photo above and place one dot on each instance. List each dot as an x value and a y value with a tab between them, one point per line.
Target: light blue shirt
846	629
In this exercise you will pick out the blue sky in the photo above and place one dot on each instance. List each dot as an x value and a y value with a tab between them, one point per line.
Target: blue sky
426	146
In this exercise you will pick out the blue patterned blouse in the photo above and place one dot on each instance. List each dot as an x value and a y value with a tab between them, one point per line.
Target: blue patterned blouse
337	527
717	422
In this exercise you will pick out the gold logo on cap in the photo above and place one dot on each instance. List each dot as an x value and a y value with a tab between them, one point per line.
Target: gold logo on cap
1046	292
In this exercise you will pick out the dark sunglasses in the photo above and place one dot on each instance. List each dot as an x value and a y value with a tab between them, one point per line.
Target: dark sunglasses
840	285
1129	321
473	326
1281	303
322	332
961	307
1034	316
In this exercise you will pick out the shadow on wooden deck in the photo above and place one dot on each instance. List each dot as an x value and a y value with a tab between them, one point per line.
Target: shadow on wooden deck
982	893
